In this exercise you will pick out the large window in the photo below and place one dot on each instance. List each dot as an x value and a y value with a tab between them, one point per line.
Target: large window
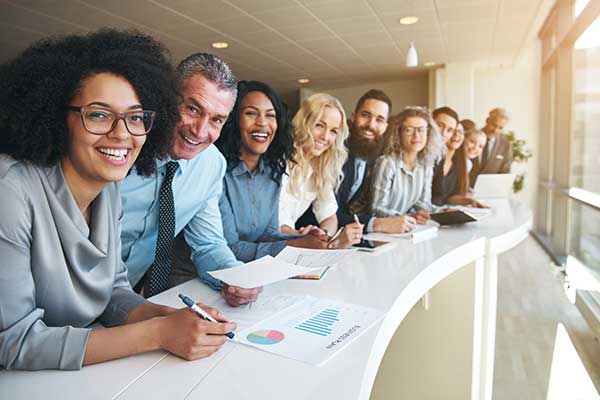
568	218
585	163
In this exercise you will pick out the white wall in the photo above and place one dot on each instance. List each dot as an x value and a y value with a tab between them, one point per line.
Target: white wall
413	92
516	88
474	90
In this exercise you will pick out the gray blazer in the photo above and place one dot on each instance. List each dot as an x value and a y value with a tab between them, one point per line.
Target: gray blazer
57	275
498	162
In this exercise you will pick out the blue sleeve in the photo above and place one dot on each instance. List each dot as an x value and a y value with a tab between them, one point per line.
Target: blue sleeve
204	235
270	243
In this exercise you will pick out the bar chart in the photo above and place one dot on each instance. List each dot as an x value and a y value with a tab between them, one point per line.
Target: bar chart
320	323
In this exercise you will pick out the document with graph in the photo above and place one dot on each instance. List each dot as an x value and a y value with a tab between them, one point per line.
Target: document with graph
312	258
311	330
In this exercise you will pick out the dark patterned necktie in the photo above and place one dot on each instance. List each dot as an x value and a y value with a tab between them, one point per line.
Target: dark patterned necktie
158	274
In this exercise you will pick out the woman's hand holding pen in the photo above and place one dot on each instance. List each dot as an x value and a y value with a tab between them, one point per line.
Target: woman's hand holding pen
188	336
350	234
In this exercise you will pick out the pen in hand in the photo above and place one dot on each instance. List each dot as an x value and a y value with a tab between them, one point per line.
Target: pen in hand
335	235
198	310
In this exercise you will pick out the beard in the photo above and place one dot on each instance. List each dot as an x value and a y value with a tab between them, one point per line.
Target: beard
367	149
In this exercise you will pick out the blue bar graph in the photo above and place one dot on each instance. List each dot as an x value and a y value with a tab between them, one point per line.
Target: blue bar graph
320	324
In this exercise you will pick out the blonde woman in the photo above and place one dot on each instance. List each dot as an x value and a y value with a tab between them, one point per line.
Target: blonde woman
401	178
320	130
471	149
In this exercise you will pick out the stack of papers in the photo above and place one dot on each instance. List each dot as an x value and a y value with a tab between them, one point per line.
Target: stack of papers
260	272
291	262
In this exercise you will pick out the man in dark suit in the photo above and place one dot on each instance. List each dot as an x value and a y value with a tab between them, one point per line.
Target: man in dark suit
497	154
367	125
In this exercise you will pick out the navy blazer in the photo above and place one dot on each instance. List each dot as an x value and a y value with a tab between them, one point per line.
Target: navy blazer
343	198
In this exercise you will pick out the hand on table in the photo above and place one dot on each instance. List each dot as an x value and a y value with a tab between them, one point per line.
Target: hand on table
236	296
310	242
422	217
188	336
399	224
351	234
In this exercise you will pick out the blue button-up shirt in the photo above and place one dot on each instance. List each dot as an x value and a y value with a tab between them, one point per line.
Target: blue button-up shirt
249	212
197	187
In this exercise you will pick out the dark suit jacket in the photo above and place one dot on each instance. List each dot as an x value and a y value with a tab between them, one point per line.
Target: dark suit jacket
497	163
343	198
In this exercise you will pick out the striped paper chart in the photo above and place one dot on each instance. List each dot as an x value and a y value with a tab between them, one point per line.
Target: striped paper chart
311	329
321	323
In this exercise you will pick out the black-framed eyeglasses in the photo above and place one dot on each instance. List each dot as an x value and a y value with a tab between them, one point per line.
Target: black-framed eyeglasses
100	121
411	130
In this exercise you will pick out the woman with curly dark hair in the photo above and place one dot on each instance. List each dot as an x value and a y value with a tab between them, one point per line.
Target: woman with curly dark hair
76	114
257	144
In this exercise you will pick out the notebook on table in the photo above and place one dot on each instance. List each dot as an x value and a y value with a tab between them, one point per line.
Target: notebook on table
453	217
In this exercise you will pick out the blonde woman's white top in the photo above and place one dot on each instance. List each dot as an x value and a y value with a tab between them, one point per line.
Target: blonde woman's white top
291	207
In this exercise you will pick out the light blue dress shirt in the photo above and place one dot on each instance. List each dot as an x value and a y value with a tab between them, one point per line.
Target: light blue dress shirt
197	187
249	212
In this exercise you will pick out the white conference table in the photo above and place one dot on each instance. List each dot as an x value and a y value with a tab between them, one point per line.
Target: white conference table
394	281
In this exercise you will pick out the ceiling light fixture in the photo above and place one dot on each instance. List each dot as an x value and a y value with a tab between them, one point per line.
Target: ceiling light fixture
302	81
412	59
409	20
220	45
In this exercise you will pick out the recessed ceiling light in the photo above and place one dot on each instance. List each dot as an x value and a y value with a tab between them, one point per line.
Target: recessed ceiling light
220	45
429	64
303	80
409	20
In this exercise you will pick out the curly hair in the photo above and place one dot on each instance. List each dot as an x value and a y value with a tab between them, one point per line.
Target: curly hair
435	147
37	87
281	148
327	168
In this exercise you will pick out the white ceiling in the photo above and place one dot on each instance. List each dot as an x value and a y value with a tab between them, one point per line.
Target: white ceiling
335	43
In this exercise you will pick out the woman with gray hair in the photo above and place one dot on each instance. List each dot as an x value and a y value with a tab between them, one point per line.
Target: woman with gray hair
401	178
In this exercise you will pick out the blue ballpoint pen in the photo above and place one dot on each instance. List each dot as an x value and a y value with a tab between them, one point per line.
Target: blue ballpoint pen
196	308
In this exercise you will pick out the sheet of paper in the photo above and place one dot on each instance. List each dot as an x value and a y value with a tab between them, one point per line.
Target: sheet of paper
313	258
248	315
259	272
478	213
420	231
312	330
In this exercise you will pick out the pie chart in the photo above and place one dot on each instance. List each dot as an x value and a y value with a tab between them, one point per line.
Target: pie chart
265	337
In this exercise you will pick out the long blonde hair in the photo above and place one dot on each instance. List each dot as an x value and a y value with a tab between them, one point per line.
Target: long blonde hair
326	168
460	157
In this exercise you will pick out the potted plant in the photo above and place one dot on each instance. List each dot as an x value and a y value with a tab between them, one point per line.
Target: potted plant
520	154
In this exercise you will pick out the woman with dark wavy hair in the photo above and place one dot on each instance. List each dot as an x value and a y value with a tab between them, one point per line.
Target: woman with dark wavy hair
257	144
76	114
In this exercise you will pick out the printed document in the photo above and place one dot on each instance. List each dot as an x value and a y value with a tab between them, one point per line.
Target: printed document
260	272
307	328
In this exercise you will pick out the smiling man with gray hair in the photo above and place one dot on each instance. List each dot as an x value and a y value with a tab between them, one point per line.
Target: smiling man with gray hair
183	196
497	154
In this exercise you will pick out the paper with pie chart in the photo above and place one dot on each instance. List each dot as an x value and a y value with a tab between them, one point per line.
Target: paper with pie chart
312	330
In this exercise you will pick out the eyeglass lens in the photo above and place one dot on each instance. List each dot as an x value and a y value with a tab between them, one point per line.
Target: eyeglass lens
101	121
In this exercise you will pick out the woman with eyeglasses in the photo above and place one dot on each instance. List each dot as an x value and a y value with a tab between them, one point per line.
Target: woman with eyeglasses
400	184
77	113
